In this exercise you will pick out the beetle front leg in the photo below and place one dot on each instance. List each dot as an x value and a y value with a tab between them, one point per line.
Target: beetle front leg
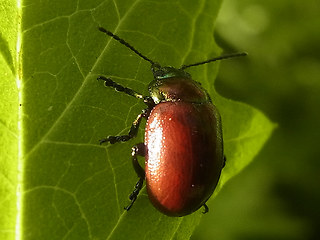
108	82
132	133
137	150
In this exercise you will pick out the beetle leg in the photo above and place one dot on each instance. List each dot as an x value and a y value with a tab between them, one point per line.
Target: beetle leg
224	161
206	208
137	150
132	133
108	82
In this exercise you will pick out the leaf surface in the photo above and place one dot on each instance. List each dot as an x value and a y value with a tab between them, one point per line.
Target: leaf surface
9	116
73	188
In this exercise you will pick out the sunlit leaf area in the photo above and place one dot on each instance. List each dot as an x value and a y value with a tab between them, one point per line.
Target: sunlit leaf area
58	182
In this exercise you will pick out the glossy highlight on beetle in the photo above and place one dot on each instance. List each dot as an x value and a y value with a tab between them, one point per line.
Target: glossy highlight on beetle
183	143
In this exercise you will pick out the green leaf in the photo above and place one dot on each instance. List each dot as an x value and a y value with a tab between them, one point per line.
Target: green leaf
73	188
9	108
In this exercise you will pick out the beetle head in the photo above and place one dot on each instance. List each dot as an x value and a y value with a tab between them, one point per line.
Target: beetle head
172	84
167	72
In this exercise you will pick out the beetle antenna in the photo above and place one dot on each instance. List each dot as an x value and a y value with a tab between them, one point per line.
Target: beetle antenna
123	42
214	59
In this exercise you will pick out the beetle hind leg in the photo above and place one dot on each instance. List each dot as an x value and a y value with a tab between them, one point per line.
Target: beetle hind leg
224	161
206	208
133	196
137	150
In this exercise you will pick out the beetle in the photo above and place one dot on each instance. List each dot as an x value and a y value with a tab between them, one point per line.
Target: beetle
183	143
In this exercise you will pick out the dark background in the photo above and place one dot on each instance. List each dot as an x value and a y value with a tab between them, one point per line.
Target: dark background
277	196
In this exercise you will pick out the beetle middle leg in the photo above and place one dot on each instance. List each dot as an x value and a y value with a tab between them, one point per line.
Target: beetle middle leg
137	150
132	133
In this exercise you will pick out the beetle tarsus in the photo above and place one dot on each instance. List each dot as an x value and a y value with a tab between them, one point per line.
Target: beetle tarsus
133	196
206	208
115	139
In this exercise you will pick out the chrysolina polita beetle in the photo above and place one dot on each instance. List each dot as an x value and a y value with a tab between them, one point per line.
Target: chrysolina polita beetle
183	144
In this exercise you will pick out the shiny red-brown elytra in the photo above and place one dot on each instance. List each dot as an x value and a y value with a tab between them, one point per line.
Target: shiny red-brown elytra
184	149
183	145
